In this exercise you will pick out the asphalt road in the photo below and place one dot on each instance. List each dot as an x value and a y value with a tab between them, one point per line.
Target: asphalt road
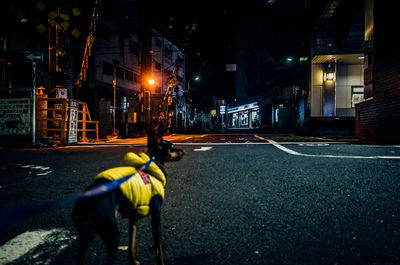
249	201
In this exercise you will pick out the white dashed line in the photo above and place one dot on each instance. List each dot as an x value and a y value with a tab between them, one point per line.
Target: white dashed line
204	148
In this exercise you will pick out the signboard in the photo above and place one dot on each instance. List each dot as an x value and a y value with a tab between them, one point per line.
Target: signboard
243	107
33	57
73	121
231	67
15	116
213	112
222	109
62	92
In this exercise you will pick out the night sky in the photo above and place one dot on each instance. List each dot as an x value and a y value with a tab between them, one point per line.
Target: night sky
210	46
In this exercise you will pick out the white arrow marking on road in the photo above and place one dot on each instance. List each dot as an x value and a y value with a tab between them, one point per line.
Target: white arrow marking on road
29	243
203	148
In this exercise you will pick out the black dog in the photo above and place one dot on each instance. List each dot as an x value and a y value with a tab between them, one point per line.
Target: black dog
142	194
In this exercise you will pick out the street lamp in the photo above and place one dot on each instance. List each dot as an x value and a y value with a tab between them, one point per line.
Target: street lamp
195	78
151	83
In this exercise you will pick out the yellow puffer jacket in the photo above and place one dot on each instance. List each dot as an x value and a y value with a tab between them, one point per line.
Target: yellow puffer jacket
138	189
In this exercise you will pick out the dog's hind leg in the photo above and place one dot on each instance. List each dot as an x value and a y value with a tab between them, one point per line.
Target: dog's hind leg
132	242
86	236
109	233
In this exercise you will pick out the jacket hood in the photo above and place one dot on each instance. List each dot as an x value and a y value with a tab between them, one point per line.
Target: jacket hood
137	160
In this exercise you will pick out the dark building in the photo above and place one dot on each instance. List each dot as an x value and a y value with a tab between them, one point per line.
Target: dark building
378	116
285	50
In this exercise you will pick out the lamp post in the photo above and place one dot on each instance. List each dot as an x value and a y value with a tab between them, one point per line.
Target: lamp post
115	95
195	78
151	83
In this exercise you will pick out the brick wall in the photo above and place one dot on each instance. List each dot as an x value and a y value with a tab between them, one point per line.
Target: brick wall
378	119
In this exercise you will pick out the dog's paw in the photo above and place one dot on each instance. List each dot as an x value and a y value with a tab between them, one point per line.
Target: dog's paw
134	262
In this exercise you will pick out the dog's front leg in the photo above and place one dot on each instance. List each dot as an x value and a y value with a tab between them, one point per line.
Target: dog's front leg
132	242
155	209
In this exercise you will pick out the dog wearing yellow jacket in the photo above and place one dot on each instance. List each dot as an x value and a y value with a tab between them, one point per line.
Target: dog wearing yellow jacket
141	195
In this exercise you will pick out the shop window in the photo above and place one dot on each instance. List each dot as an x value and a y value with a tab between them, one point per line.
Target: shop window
235	119
244	119
357	95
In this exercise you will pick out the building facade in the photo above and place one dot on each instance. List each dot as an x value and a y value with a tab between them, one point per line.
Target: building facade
378	116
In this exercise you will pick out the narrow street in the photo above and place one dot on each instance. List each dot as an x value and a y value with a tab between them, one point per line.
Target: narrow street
233	199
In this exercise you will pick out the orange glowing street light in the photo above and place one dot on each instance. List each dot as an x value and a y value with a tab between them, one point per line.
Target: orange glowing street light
151	81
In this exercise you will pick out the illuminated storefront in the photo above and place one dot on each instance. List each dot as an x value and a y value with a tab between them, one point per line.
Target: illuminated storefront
244	116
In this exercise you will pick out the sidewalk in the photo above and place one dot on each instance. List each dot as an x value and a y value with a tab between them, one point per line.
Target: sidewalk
297	138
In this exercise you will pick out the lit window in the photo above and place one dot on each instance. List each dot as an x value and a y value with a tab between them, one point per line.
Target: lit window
330	76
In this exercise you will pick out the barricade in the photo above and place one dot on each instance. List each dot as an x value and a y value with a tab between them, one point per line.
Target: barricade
52	120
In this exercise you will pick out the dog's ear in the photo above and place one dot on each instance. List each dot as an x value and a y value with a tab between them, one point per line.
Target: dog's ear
160	130
154	137
152	142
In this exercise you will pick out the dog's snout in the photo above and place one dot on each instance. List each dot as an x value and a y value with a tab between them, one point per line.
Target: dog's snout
175	154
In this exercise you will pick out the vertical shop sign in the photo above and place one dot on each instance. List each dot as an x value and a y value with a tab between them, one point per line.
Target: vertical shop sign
73	121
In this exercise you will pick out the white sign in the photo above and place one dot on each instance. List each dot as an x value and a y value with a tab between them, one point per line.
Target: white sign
231	67
15	116
73	121
222	109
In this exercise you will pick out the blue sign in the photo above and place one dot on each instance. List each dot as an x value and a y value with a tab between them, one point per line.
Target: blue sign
33	57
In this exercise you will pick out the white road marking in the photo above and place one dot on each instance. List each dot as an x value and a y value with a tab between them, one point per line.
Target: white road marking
44	173
123	248
204	148
313	144
226	143
289	151
43	170
27	246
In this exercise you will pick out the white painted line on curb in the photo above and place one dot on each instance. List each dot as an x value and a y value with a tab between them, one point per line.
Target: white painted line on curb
204	148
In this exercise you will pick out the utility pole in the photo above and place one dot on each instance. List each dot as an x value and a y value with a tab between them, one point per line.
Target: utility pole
34	103
115	93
